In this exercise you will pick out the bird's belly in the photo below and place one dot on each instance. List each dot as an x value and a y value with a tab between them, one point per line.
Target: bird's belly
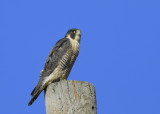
56	75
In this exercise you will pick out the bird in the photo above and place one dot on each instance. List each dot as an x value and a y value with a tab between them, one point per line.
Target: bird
59	62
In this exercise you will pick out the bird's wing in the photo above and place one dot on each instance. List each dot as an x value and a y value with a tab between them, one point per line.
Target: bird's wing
53	60
55	56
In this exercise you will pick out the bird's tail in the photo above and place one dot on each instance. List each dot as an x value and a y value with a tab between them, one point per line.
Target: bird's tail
35	94
38	89
35	89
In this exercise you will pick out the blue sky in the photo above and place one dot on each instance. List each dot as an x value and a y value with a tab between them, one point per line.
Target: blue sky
119	54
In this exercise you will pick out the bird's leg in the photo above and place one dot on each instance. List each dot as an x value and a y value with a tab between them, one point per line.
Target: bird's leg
62	79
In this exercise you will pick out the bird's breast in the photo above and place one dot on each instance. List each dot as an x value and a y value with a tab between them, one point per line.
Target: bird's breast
75	46
65	64
75	50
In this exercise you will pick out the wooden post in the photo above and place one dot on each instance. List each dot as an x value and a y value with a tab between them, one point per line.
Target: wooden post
70	97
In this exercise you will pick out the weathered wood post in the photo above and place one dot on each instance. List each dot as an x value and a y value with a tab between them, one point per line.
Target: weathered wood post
70	97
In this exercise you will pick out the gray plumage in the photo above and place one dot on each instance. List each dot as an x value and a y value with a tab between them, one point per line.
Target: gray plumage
59	62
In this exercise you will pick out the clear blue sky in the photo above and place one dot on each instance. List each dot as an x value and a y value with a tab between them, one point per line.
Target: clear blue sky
120	51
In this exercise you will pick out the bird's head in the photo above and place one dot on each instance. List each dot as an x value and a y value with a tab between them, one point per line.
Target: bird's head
75	34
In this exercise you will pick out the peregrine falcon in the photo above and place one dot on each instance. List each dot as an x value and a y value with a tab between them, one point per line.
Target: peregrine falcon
59	62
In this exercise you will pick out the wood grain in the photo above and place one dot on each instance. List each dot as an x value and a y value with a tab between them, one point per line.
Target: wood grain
70	97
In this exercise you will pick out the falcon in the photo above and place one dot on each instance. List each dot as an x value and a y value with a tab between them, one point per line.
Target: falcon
59	62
